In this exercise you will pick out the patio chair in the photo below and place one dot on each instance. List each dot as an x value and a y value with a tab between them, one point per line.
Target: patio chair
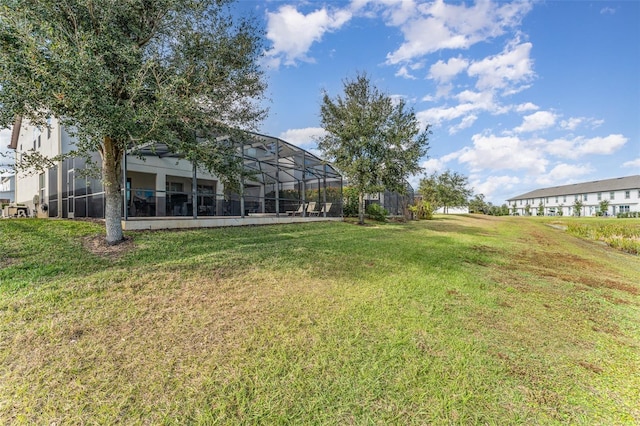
325	209
299	211
310	208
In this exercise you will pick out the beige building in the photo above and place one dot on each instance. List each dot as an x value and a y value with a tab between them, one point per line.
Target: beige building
159	184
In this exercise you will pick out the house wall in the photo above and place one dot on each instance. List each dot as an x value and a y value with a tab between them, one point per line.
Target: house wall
619	201
7	189
46	141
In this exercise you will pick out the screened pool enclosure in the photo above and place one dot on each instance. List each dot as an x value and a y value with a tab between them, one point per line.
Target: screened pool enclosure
281	180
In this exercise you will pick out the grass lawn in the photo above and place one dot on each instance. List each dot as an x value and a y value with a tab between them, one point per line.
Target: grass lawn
459	320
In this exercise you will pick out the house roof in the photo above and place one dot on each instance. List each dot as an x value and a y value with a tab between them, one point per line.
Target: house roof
616	184
15	132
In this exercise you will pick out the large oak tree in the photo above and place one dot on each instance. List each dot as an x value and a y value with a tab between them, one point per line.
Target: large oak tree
375	141
123	74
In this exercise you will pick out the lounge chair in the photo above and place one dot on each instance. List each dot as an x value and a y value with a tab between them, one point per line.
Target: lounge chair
310	208
324	210
299	211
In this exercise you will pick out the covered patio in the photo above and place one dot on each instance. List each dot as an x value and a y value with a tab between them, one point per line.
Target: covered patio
282	183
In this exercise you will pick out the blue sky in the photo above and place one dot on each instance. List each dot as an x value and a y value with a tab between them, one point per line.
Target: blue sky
520	95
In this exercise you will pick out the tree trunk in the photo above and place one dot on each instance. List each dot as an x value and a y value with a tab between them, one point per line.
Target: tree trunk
111	158
361	208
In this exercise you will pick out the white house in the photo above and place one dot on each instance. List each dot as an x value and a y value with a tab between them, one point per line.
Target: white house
621	194
159	184
7	189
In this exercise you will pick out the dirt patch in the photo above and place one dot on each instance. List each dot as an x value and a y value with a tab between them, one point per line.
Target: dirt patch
98	245
570	268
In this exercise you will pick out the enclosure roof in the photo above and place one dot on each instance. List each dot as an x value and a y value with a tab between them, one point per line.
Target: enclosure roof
270	157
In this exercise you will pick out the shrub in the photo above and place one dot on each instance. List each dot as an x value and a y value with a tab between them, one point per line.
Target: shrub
377	212
422	210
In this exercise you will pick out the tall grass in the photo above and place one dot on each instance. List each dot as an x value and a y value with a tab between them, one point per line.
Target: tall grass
621	234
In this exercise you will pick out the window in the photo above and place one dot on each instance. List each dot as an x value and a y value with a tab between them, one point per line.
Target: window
520	202
612	195
556	199
575	198
584	197
599	196
547	199
624	209
627	194
41	180
39	141
174	186
565	198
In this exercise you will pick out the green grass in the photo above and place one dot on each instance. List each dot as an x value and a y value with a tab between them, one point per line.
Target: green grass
459	320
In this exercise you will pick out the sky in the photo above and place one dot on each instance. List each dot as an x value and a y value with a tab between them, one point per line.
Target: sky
518	95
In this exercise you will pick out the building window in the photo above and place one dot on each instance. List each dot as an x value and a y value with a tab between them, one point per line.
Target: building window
599	196
612	195
584	197
627	194
575	198
520	202
564	198
547	200
556	199
624	209
41	181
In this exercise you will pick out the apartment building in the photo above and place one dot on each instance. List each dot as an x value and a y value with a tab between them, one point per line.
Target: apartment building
622	195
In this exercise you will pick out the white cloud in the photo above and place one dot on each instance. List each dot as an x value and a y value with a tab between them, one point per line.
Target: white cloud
507	70
607	11
445	71
632	163
539	120
404	73
464	124
305	138
292	33
490	152
572	123
470	104
437	25
5	138
433	165
528	106
494	184
564	172
580	146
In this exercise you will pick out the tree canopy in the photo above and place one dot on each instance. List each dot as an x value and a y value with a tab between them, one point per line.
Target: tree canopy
448	189
374	140
129	73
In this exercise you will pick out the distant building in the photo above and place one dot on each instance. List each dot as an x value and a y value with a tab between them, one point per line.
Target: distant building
7	189
622	195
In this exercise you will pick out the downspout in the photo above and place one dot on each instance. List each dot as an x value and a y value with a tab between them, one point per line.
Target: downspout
277	178
59	179
125	201
194	191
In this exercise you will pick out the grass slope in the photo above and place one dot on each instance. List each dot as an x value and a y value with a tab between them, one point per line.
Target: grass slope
459	320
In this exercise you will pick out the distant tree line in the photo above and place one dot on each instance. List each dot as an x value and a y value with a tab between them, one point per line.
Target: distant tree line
451	189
